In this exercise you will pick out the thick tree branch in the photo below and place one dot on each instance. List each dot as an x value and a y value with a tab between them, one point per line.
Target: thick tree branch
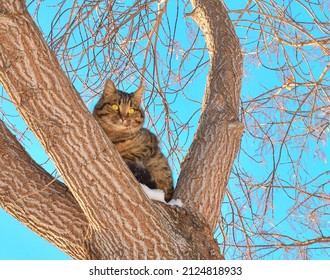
29	193
217	140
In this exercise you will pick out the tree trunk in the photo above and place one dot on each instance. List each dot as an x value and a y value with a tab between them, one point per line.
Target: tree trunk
102	212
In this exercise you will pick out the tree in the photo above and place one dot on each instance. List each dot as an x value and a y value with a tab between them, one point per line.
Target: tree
111	216
286	119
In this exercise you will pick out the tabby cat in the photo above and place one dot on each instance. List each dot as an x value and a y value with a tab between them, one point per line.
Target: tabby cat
121	117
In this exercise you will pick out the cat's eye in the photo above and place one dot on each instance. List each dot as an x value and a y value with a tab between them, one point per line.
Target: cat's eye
131	110
115	107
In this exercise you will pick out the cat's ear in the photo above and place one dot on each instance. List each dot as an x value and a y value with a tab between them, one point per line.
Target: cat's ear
138	94
109	88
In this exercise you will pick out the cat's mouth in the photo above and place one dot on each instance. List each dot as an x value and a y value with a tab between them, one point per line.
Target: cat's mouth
123	124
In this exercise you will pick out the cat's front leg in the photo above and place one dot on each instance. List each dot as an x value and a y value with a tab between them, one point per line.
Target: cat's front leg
161	174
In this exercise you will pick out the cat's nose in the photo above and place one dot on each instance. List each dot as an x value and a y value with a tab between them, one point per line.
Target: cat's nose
123	120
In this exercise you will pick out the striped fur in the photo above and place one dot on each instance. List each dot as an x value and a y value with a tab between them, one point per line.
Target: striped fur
121	117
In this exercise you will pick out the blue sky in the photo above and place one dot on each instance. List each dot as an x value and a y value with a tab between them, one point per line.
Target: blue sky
18	242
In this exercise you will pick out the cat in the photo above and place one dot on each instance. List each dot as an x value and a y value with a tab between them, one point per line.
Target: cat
121	117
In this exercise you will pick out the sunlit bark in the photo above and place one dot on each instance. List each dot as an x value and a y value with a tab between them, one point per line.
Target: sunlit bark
206	169
115	219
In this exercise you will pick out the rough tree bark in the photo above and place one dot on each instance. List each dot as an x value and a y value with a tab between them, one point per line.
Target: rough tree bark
205	172
102	212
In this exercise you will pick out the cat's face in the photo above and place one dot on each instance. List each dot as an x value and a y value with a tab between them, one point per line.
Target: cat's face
118	110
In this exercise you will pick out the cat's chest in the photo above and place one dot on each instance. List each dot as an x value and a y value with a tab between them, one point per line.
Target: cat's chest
131	145
142	145
127	145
